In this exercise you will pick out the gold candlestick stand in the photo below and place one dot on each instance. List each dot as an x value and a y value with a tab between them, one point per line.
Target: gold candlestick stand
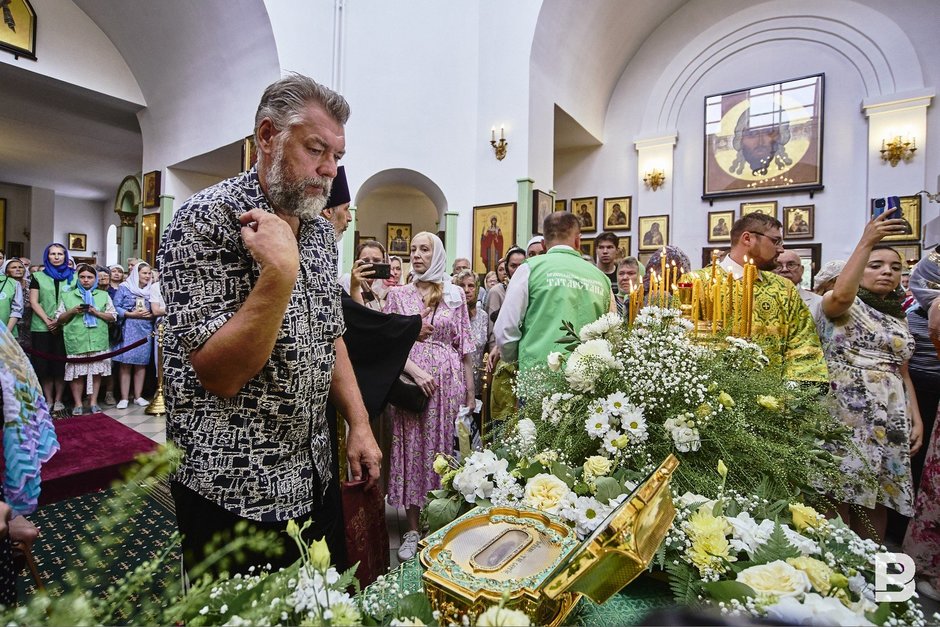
157	406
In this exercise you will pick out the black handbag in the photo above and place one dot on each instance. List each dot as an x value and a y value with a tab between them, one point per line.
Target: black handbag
408	395
116	333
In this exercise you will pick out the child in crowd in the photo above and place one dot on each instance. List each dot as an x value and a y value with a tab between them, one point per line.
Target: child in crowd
84	314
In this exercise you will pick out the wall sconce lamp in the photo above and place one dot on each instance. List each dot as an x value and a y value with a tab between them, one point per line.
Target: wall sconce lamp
499	147
898	149
654	179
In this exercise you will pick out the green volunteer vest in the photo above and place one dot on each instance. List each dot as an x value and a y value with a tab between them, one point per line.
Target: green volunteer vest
47	298
80	339
7	292
562	287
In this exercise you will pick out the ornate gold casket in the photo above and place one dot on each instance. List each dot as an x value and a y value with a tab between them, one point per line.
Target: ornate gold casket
536	560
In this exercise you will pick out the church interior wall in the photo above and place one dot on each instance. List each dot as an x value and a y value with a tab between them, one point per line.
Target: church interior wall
79	215
615	169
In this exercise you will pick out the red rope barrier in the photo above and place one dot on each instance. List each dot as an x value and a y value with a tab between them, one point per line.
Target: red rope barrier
86	360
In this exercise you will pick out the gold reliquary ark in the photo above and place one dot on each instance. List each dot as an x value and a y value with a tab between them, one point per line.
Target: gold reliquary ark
535	559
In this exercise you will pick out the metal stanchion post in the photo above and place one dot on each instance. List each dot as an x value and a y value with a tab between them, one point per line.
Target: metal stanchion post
157	406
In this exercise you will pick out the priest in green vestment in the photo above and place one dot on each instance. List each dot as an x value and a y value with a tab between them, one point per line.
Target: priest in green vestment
781	324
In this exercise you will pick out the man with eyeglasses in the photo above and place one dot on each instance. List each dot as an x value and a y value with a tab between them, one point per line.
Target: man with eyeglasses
782	324
790	266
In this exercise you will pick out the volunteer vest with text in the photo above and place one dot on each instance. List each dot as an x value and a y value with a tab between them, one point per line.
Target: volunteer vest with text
80	339
7	293
47	298
562	287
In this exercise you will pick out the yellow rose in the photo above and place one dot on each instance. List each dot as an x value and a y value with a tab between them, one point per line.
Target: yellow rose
497	616
819	573
622	441
319	555
707	547
597	466
804	516
722	469
725	400
703	411
441	465
768	402
776	578
545	492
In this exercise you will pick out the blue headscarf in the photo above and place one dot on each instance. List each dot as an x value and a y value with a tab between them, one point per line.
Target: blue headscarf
59	273
90	320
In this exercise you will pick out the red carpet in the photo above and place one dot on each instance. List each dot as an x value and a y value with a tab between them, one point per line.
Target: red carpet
94	450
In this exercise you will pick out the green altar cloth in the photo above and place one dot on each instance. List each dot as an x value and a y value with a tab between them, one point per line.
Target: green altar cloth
626	608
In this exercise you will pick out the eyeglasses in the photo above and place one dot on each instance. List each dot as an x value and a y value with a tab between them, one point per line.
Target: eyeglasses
776	241
790	265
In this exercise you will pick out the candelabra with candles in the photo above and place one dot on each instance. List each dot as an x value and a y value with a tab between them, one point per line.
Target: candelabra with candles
718	304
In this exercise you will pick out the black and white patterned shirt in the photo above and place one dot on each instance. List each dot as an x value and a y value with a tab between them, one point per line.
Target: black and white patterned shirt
264	454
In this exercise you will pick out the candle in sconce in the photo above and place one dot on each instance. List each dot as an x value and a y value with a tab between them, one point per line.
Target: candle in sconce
502	132
493	134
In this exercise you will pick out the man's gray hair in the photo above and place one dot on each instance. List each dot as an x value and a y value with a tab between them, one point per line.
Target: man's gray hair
285	100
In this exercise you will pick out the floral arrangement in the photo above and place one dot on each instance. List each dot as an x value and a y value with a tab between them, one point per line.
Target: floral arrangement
309	592
748	556
599	419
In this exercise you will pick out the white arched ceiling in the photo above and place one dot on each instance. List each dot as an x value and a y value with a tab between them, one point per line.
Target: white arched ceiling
879	51
201	67
580	50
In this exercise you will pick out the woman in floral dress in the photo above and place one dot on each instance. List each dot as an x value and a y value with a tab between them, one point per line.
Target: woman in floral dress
922	541
443	367
867	344
467	281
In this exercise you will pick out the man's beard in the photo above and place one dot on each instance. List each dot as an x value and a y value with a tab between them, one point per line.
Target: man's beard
769	266
290	196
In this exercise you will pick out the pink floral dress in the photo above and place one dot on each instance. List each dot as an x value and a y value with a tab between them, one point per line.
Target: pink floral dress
417	439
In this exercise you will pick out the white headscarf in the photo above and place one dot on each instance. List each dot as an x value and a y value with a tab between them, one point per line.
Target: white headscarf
437	272
829	271
132	282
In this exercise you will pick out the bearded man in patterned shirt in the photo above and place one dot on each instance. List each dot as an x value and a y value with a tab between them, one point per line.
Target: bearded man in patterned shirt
254	345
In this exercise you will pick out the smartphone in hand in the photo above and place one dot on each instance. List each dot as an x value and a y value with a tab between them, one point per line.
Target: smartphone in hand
382	270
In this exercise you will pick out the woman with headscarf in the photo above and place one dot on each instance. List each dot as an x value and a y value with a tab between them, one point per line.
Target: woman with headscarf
84	314
395	272
360	284
867	345
443	368
46	287
922	541
11	295
132	303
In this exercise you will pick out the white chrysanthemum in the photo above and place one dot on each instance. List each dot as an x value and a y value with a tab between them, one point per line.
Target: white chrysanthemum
634	424
585	512
554	361
608	443
597	425
600	327
587	361
616	403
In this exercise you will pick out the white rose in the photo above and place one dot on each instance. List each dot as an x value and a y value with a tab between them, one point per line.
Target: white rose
597	466
554	361
776	578
545	492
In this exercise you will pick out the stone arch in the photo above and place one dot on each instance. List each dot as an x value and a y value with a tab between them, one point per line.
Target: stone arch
406	177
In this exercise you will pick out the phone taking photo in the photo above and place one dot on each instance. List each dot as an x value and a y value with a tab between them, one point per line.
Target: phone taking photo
382	270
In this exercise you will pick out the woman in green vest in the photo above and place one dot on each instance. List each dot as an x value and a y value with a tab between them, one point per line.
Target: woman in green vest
11	295
46	287
84	314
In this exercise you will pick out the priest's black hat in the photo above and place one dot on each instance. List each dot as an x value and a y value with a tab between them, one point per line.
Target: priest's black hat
340	192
